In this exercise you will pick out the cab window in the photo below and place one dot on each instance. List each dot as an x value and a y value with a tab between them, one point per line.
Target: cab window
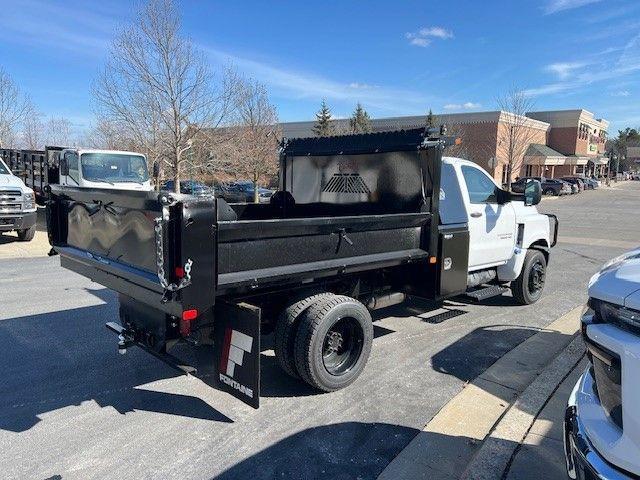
481	188
72	162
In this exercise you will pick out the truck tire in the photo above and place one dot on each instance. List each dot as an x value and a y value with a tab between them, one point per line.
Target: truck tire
549	191
27	234
333	342
527	288
285	331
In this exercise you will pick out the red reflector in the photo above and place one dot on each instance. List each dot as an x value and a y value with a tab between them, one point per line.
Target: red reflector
189	314
179	272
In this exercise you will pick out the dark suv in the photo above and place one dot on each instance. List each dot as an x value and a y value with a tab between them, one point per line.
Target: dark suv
550	186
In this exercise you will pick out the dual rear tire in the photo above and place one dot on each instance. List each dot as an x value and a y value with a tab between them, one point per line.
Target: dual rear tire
325	340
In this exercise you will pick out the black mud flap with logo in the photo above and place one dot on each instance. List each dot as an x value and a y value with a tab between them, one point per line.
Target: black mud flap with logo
237	337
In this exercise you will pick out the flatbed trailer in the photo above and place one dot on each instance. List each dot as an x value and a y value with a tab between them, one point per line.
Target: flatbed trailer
36	168
353	227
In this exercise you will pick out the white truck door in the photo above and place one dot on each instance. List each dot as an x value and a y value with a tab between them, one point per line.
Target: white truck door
492	227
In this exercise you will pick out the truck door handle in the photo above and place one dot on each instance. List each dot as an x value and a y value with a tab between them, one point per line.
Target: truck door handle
476	214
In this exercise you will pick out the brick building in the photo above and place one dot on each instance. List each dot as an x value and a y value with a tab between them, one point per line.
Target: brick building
580	137
563	142
482	135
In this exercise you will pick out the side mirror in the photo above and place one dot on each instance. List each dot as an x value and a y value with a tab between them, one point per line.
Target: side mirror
64	166
532	192
156	169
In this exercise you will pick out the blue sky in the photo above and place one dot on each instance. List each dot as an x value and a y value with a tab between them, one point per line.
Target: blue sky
397	58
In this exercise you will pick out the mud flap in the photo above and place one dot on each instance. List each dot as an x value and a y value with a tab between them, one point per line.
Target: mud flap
237	340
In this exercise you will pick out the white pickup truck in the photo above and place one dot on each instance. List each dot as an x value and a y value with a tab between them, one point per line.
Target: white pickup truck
509	241
17	205
602	421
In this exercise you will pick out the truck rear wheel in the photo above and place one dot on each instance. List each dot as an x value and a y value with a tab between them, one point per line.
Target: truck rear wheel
27	234
285	331
333	342
527	288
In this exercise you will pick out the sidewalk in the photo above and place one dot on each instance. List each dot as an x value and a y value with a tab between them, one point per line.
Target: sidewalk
541	453
501	421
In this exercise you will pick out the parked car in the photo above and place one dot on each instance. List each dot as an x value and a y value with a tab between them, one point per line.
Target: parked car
243	191
550	186
590	183
190	187
602	438
573	180
229	193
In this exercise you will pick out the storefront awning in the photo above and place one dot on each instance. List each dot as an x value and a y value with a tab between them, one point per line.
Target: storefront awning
538	154
599	160
576	160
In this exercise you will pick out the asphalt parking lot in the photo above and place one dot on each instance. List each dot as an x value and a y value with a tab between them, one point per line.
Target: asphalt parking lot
70	406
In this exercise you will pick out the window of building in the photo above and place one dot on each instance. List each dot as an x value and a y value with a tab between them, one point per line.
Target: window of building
528	171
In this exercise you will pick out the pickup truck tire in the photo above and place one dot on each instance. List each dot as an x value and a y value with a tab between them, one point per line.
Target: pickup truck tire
27	234
285	331
527	288
549	191
333	342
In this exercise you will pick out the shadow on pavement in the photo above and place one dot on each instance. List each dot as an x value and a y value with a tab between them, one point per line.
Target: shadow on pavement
472	354
338	451
358	450
59	359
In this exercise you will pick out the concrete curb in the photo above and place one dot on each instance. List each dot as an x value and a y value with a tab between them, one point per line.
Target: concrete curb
454	438
494	457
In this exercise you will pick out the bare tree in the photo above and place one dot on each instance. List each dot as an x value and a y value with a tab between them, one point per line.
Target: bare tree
515	137
14	109
159	88
59	132
110	136
251	151
33	131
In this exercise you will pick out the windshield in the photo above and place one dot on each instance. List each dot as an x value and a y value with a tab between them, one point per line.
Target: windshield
3	169
114	167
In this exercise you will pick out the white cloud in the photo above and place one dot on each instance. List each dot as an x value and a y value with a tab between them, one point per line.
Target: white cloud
80	30
564	70
621	93
424	36
437	32
554	6
462	106
292	84
419	41
627	63
361	86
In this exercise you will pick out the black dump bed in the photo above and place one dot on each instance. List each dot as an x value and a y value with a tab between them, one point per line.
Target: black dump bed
345	204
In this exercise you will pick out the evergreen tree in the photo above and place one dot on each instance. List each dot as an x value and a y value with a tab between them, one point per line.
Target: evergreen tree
323	126
431	119
360	121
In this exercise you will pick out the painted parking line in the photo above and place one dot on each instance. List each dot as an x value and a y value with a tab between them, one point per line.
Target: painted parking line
598	242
